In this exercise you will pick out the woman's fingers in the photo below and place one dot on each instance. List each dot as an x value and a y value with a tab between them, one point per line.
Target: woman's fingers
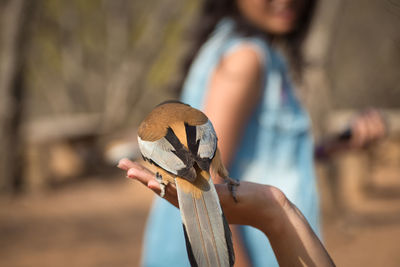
140	173
125	164
136	171
145	176
358	132
368	127
380	127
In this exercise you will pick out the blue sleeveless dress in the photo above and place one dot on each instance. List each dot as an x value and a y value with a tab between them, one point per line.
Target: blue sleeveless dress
276	149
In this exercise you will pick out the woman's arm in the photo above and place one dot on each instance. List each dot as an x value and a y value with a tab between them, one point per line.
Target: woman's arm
232	96
263	207
230	100
267	209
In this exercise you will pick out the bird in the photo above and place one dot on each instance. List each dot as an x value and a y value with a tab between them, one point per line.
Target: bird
180	144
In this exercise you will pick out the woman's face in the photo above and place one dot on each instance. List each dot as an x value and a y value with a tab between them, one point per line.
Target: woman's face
273	16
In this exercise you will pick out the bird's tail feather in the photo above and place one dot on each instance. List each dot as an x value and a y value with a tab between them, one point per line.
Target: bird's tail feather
207	234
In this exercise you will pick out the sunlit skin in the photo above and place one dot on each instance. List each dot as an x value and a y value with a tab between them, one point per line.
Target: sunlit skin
277	17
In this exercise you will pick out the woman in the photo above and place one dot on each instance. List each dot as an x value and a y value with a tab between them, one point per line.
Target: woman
242	83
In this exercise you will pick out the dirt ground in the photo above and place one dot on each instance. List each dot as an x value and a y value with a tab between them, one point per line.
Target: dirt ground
101	222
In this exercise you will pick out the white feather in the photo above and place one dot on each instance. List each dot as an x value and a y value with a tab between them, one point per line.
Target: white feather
161	152
208	140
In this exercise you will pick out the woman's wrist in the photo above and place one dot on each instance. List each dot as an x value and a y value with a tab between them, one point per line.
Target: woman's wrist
261	206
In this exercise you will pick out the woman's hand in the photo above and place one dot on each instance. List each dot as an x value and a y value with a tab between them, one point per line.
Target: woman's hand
136	171
254	200
261	206
366	128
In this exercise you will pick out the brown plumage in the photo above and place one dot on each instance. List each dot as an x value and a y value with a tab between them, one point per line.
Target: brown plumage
155	125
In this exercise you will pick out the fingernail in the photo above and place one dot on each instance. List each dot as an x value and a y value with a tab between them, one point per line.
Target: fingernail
131	173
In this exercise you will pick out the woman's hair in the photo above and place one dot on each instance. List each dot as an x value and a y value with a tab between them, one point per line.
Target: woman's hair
213	11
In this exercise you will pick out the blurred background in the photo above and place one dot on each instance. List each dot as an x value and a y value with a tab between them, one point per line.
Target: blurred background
76	78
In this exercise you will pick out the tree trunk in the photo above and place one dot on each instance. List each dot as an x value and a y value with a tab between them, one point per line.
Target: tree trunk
14	26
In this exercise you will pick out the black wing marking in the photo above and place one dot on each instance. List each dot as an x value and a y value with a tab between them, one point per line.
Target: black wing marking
188	172
228	238
195	135
193	144
161	153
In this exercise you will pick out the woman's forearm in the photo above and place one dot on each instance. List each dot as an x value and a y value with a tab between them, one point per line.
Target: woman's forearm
294	242
242	258
267	208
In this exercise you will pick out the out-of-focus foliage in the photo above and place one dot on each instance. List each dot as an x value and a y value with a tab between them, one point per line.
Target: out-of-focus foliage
92	69
112	57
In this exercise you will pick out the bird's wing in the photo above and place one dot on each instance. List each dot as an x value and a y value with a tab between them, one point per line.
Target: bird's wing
161	152
202	143
169	154
207	138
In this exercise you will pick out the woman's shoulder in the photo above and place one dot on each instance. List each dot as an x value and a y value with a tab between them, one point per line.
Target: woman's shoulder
226	39
253	50
243	58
